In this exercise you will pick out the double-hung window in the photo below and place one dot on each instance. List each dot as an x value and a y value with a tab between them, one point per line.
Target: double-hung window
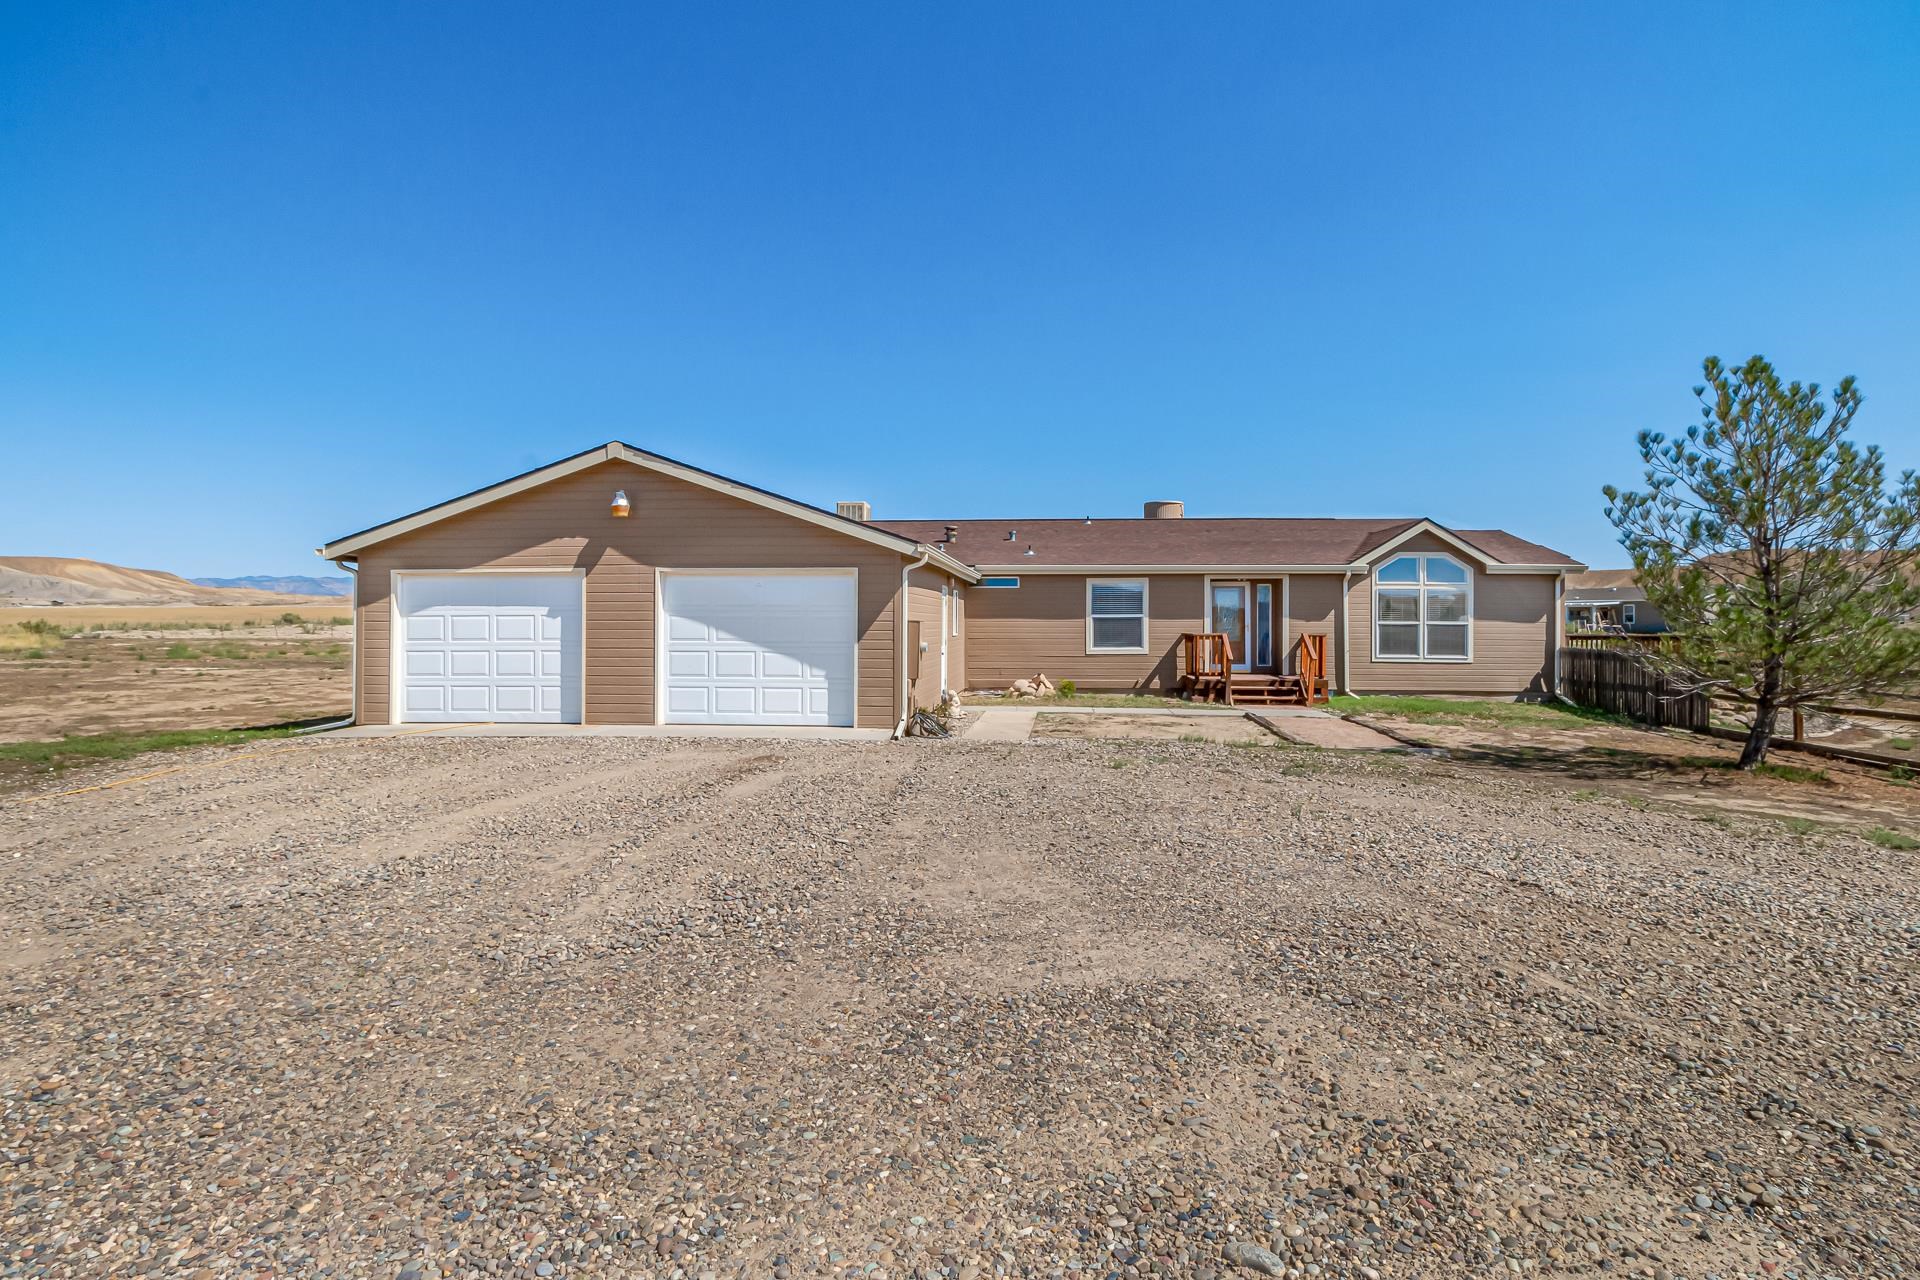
1422	606
1116	615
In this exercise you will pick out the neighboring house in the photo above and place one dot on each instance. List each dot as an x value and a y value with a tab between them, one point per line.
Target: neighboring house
1610	600
621	587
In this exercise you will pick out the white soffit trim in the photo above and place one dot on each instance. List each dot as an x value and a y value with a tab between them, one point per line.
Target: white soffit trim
616	451
1536	568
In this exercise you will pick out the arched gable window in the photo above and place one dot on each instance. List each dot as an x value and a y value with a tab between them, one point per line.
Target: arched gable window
1423	610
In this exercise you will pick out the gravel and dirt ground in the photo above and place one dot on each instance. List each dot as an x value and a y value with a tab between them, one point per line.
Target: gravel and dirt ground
616	1006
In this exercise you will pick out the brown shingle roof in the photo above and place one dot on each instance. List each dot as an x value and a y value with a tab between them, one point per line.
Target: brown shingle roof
1194	541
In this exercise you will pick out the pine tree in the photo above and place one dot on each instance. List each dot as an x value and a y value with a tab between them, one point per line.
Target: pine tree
1775	549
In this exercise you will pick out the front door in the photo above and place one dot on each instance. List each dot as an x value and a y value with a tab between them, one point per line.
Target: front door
1229	613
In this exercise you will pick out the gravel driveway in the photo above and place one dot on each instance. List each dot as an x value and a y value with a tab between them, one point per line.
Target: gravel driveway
618	1006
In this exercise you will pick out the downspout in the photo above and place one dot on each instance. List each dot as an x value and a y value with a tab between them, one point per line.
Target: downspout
906	690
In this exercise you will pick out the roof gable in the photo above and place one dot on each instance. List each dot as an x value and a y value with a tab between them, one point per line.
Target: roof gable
616	451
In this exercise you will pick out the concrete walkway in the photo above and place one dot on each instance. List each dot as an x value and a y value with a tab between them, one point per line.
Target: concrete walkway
1302	726
999	724
1324	731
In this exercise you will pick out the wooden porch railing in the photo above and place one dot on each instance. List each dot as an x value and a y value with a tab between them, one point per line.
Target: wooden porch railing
1313	668
1206	666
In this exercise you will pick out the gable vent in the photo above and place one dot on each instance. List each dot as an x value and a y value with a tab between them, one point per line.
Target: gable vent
862	511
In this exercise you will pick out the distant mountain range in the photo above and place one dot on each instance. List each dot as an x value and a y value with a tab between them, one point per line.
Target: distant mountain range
296	586
49	580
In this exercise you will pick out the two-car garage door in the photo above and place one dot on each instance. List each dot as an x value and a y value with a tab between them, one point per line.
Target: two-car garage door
734	648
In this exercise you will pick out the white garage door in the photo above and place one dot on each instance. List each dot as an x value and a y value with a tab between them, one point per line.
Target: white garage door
489	647
758	649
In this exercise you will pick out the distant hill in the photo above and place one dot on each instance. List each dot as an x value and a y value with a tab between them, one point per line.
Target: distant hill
30	580
299	586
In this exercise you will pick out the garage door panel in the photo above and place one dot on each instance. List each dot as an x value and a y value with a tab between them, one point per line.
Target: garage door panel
759	648
484	647
780	666
470	697
683	701
783	702
426	699
514	628
511	698
735	700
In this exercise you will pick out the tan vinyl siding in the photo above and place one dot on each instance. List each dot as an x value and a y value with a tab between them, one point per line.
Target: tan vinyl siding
923	607
1041	627
1512	644
1313	608
565	524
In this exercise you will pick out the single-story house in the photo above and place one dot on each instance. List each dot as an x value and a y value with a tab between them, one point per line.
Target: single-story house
1611	600
621	587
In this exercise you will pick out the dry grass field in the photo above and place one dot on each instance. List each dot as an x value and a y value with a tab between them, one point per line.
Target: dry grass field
75	617
133	670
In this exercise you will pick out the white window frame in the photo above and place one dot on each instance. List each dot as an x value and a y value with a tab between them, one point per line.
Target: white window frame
1146	612
1626	615
1422	587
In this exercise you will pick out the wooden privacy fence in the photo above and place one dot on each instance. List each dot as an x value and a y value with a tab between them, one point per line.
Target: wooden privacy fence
1617	680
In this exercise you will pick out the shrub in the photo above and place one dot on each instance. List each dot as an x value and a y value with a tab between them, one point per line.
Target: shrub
31	639
1066	688
1887	838
179	651
290	619
1901	744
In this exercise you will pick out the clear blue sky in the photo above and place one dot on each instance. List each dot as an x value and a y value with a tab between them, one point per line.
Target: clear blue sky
270	273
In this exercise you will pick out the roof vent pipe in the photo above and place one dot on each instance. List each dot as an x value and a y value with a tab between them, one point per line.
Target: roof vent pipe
1165	510
953	531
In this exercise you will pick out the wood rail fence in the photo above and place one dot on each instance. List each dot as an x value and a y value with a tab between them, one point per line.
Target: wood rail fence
1616	680
1628	640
